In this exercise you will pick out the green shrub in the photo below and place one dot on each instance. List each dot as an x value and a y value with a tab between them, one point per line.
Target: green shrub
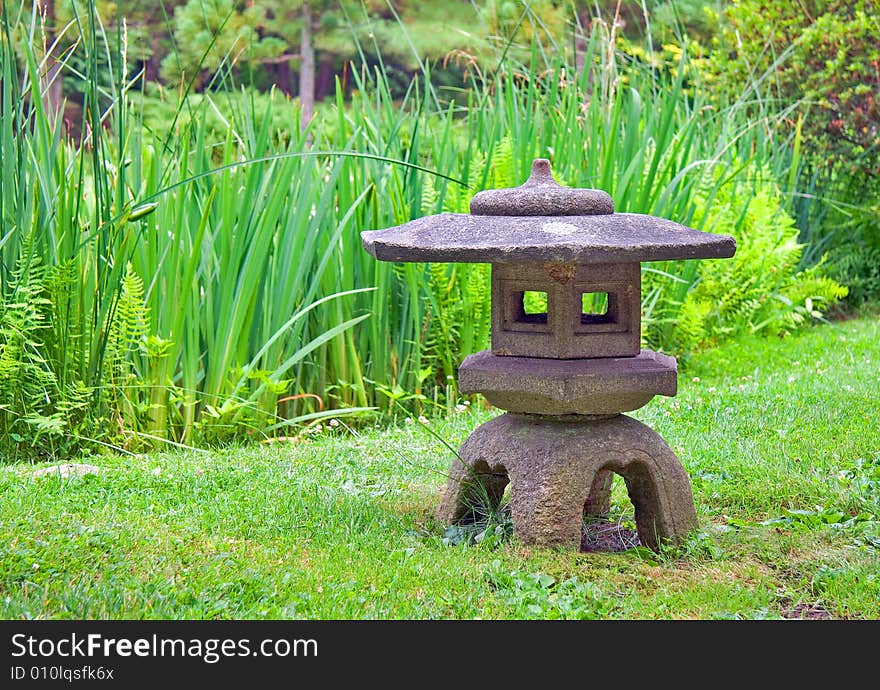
823	54
761	289
823	58
218	113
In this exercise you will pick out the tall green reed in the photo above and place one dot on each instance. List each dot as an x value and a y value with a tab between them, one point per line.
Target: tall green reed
173	319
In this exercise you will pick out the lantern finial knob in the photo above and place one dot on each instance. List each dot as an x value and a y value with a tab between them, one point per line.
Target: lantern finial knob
540	173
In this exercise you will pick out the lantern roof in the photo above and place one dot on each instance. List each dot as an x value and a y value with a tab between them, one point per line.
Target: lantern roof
541	221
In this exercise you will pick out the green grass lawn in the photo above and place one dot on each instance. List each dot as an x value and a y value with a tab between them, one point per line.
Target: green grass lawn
781	439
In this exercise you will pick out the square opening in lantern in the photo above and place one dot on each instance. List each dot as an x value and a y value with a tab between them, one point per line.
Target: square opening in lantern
596	308
524	309
534	307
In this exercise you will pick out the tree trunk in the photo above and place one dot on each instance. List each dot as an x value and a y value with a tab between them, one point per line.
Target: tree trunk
154	62
325	79
284	78
307	68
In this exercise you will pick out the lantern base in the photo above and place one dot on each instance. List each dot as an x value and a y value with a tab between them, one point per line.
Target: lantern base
561	471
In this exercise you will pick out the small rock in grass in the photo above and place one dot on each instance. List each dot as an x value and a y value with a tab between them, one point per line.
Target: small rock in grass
67	470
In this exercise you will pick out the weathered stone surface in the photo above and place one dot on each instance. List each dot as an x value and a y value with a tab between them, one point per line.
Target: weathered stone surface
559	472
600	386
540	195
68	470
564	332
598	239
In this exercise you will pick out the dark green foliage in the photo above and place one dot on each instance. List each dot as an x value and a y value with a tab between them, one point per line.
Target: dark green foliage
823	56
858	267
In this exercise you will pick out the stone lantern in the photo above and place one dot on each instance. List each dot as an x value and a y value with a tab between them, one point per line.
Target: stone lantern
566	360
